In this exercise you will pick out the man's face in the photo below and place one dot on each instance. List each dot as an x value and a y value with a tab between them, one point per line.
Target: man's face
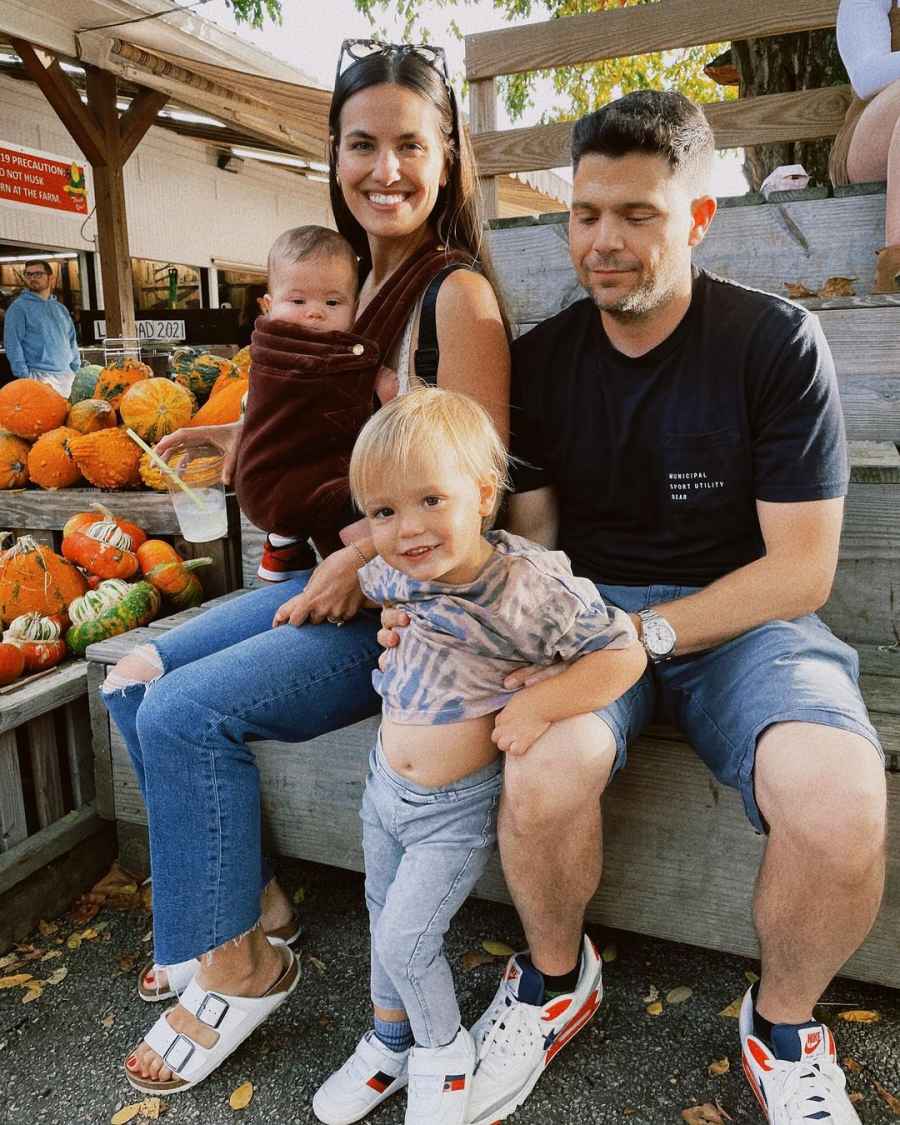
37	279
631	229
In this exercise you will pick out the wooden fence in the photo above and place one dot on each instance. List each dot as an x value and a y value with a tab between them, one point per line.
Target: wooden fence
661	26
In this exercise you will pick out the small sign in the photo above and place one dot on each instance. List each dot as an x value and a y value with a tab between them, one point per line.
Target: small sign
167	330
31	178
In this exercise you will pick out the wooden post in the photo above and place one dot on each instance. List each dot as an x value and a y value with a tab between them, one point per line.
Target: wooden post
107	142
483	119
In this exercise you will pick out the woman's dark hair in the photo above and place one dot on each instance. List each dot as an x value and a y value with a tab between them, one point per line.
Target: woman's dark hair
658	123
457	216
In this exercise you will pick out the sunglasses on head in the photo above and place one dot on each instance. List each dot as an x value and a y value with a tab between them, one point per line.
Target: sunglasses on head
355	50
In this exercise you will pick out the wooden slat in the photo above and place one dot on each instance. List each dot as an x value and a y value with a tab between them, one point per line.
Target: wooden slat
874	462
483	119
138	118
27	508
637	31
109	651
13	826
864	606
100	723
45	846
66	683
252	542
872	523
79	750
43	751
800	115
871	406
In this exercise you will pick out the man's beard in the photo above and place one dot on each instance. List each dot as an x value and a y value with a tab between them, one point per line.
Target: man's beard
652	291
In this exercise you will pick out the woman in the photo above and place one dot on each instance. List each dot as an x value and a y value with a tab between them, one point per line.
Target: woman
402	176
868	146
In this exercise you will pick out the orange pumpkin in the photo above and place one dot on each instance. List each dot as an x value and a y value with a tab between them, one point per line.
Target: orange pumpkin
108	458
152	476
156	407
29	408
50	460
225	406
90	415
227	378
35	579
13	461
114	380
12	664
242	361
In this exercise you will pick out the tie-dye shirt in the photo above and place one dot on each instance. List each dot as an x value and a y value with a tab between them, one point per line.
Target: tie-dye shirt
525	607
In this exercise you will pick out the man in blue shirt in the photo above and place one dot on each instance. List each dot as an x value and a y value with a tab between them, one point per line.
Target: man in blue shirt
39	335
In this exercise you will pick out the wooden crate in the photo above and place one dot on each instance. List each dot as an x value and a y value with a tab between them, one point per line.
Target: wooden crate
43	515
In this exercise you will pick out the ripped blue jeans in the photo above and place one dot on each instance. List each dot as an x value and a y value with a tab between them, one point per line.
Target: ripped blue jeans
229	679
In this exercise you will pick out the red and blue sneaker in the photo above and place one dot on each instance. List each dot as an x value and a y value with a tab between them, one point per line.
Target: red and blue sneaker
806	1090
520	1033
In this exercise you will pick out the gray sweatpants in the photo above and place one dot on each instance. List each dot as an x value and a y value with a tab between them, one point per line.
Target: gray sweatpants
425	849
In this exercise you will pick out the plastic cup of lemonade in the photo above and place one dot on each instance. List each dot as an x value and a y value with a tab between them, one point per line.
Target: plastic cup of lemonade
200	506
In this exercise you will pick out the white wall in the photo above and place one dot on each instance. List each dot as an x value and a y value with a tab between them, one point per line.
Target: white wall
181	207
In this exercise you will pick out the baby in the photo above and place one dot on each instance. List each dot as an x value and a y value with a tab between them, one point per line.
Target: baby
428	470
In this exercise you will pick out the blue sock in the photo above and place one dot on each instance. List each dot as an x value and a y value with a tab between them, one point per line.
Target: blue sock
396	1035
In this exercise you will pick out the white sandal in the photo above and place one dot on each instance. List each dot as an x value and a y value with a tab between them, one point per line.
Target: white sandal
182	973
234	1018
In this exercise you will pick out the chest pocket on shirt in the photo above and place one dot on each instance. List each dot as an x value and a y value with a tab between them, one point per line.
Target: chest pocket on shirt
705	473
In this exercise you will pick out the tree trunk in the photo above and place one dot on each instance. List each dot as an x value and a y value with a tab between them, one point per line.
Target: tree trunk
780	64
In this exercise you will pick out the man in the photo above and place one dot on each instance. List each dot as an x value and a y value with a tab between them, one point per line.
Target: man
38	333
681	439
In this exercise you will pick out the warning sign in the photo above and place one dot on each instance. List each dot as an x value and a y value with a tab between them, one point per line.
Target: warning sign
38	179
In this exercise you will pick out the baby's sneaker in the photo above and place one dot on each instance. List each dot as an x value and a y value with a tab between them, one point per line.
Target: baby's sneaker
439	1082
371	1074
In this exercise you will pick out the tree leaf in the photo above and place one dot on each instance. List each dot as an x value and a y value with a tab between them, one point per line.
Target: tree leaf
733	1011
888	1098
320	966
47	928
497	948
653	994
610	953
654	1009
856	1096
52	954
749	976
59	976
108	1019
73	941
719	1066
89	934
242	1096
33	991
9	959
851	1064
679	995
475	958
299	896
860	1015
153	1108
126	1113
706	1114
15	981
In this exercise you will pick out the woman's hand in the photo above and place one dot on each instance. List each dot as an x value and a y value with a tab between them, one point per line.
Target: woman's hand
393	622
332	593
225	438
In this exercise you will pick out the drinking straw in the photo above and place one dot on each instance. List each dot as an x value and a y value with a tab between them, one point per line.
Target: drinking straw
168	470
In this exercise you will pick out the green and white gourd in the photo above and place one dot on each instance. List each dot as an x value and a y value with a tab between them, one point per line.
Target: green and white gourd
33	627
90	605
108	531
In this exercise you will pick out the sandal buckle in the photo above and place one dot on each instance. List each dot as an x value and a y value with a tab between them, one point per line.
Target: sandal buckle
213	1009
178	1053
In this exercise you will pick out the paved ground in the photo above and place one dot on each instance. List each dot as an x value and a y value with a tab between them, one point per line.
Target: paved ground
60	1054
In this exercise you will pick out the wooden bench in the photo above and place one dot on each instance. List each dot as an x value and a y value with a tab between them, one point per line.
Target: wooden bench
680	854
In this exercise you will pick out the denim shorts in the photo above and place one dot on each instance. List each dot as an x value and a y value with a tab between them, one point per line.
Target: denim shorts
723	699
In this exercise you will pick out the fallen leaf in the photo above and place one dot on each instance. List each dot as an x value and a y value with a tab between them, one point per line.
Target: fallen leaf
242	1096
859	1015
84	910
706	1114
474	958
497	948
153	1108
127	962
733	1010
74	941
15	980
652	995
100	927
750	977
148	936
679	995
24	948
59	976
107	1020
34	955
47	928
628	1111
719	1066
299	896
88	934
838	287
610	953
797	290
52	954
654	1009
9	959
126	1113
888	1098
723	1111
851	1064
856	1096
33	991
316	963
147	898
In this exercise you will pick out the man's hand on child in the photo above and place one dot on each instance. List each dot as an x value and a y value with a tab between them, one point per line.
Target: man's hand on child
517	727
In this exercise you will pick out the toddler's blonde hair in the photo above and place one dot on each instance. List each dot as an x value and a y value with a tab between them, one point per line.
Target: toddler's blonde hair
424	421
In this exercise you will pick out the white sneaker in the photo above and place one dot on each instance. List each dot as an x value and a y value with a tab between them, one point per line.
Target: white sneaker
371	1074
440	1079
519	1035
796	1093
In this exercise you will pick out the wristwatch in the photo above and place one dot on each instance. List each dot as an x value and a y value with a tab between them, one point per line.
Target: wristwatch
657	636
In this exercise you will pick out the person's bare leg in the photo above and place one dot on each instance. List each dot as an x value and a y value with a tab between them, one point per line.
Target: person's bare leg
246	966
822	792
875	153
550	835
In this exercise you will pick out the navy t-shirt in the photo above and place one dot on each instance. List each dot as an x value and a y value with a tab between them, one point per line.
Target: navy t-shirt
657	461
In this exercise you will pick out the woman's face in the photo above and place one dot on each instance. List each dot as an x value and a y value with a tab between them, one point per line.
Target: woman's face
390	159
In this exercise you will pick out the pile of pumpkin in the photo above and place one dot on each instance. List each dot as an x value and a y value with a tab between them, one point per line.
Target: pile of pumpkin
52	442
110	578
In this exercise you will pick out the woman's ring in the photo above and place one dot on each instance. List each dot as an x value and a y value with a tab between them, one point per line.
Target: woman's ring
339	621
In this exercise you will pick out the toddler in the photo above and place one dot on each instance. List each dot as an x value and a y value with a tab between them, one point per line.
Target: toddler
428	470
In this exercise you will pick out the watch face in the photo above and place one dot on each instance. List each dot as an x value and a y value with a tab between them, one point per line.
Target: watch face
659	636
